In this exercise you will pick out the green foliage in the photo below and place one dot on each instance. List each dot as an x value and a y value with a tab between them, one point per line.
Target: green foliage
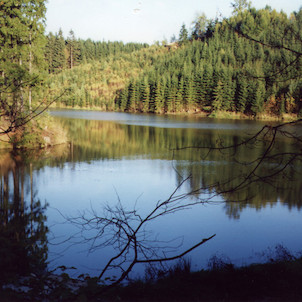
240	5
222	70
257	99
99	84
30	137
217	68
21	62
200	25
183	35
64	53
218	97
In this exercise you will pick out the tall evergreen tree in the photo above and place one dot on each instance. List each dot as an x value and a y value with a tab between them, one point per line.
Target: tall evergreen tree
200	25
144	95
217	102
207	83
73	49
188	94
158	98
183	35
241	94
50	52
59	58
21	38
257	100
132	97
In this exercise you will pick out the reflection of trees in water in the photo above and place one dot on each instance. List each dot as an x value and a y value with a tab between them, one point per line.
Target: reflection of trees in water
23	240
215	171
257	173
219	176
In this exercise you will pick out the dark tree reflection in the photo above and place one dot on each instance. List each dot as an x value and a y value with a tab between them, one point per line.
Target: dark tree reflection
23	233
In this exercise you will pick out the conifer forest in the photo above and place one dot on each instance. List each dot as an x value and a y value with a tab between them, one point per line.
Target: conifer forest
249	63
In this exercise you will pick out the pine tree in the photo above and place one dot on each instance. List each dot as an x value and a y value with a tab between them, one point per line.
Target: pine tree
73	49
198	89
228	90
21	43
199	27
183	35
132	97
50	52
240	5
158	98
207	83
188	95
217	102
144	95
59	58
257	100
179	101
241	94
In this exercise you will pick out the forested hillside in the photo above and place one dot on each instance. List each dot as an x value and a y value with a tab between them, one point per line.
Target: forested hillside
249	63
97	72
220	69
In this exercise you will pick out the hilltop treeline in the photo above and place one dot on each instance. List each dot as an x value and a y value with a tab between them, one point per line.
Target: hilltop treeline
64	53
249	63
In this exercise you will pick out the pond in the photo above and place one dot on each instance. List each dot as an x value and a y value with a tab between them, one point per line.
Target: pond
138	160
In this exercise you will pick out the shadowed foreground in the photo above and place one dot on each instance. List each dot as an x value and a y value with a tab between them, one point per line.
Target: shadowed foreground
278	280
275	281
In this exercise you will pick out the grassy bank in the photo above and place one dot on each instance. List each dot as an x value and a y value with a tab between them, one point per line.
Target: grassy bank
260	116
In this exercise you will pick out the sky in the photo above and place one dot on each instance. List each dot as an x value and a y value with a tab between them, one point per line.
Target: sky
144	21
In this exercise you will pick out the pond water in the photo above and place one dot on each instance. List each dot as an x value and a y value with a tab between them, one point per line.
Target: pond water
133	160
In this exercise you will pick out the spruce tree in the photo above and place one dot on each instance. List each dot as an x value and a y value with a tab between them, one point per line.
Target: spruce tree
21	57
188	94
132	97
217	102
59	58
198	90
144	95
50	52
158	98
183	35
73	49
207	83
241	94
257	100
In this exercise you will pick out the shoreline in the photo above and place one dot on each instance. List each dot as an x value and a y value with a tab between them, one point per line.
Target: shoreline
38	134
275	280
286	117
53	135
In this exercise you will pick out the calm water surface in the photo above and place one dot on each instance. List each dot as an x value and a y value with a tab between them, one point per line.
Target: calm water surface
132	158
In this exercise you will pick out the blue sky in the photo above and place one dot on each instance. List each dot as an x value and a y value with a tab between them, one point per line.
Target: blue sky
139	20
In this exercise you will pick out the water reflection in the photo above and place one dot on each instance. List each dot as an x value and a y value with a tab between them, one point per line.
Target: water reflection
219	171
23	233
105	157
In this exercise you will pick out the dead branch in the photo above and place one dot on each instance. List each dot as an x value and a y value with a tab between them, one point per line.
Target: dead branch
126	232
